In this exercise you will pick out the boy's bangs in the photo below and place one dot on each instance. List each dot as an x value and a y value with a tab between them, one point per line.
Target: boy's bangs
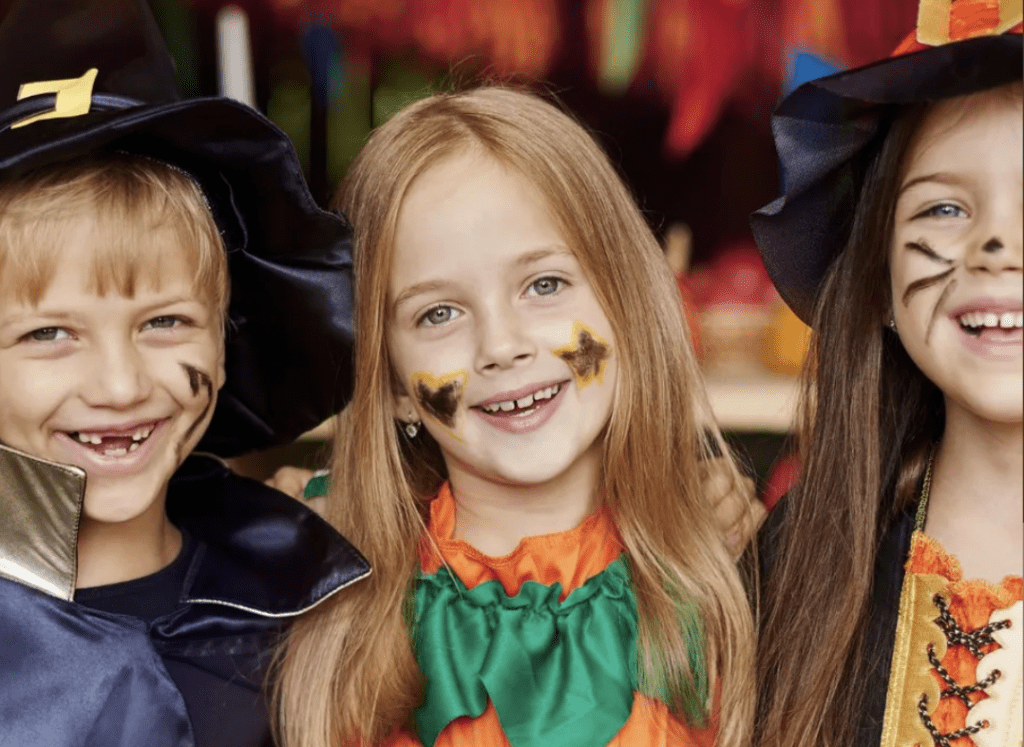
136	219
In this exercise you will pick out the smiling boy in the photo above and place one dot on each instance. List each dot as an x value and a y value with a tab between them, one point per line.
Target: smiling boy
159	260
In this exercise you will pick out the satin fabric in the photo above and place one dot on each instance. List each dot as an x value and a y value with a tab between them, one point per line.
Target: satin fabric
971	603
558	673
73	676
535	581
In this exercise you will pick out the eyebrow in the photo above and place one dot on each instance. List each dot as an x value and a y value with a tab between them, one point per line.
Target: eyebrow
940	177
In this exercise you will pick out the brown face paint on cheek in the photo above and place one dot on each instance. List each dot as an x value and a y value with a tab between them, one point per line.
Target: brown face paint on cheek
935	310
922	247
439	396
197	380
587	356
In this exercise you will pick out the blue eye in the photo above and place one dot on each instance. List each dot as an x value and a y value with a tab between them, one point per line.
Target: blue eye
164	322
943	210
546	286
48	334
438	315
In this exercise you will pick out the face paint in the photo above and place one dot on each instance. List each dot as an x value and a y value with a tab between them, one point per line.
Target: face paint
587	356
439	396
922	247
197	379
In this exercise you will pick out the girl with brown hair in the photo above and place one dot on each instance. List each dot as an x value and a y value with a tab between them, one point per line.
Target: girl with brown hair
520	461
893	571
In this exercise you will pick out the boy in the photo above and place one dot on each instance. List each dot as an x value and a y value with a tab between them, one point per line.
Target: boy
142	590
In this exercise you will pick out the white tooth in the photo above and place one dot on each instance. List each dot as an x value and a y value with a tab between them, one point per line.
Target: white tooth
133	447
84	438
507	406
991	320
1006	320
115	452
1019	319
542	394
491	408
97	440
137	436
525	402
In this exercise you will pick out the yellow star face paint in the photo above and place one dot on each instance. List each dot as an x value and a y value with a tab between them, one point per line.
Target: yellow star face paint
439	395
587	355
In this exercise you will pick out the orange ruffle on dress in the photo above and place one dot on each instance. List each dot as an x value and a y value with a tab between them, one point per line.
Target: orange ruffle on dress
951	616
570	559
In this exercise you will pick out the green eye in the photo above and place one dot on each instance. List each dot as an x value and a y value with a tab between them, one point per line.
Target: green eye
546	286
438	315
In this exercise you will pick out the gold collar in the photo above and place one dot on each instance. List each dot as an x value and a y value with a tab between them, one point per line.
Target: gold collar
41	503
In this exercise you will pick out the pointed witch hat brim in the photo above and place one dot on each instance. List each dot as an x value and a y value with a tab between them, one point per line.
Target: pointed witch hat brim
290	329
826	131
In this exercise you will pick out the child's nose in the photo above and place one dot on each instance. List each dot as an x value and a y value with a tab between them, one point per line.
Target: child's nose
118	377
999	243
503	342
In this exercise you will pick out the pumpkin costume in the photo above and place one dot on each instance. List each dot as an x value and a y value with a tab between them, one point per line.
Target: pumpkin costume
537	647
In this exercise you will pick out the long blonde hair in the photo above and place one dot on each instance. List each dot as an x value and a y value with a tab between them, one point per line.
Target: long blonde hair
348	670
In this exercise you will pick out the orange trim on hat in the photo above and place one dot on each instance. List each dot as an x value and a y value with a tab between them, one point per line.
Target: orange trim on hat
944	21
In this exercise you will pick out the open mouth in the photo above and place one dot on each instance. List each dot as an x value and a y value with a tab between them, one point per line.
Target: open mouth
522	406
991	323
114	443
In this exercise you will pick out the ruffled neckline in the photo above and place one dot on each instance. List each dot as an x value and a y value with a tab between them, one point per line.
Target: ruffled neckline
567	558
929	556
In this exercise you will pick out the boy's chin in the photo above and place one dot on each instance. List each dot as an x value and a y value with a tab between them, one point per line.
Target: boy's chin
118	501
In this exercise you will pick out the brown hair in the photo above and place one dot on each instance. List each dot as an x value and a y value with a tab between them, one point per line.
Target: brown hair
869	418
127	198
348	668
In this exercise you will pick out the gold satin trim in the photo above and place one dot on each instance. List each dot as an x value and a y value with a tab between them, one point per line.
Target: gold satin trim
910	676
40	506
1002	709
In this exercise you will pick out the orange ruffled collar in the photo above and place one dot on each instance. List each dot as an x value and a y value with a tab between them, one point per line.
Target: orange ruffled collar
569	558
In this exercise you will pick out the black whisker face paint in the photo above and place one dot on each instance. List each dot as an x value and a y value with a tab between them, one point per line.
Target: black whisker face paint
197	380
938	305
587	355
439	396
924	248
920	285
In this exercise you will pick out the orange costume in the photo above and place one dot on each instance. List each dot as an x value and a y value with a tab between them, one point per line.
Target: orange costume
956	667
545	586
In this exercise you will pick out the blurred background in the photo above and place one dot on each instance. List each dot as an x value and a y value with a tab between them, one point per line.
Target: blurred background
679	93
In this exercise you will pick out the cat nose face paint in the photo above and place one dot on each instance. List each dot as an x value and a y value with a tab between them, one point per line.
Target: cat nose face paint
439	396
587	355
955	255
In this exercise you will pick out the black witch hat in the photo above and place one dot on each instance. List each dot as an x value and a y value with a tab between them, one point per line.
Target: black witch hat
80	77
827	130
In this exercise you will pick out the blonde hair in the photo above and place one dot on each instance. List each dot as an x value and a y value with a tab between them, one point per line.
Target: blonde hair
348	672
127	198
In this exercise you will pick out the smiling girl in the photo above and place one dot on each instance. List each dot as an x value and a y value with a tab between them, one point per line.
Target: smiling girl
520	461
900	564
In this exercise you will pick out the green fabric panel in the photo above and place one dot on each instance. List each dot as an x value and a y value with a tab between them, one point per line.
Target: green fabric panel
559	674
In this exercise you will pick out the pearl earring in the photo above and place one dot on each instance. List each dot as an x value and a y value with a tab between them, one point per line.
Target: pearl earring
412	429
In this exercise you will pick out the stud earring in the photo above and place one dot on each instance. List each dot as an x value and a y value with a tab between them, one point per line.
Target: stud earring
892	323
412	429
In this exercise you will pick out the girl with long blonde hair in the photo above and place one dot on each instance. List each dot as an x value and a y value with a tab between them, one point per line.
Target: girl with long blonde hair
520	462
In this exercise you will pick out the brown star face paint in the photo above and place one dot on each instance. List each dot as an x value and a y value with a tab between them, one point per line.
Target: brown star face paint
439	396
587	355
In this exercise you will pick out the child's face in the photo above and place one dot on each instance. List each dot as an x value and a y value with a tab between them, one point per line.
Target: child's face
956	254
121	387
495	333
